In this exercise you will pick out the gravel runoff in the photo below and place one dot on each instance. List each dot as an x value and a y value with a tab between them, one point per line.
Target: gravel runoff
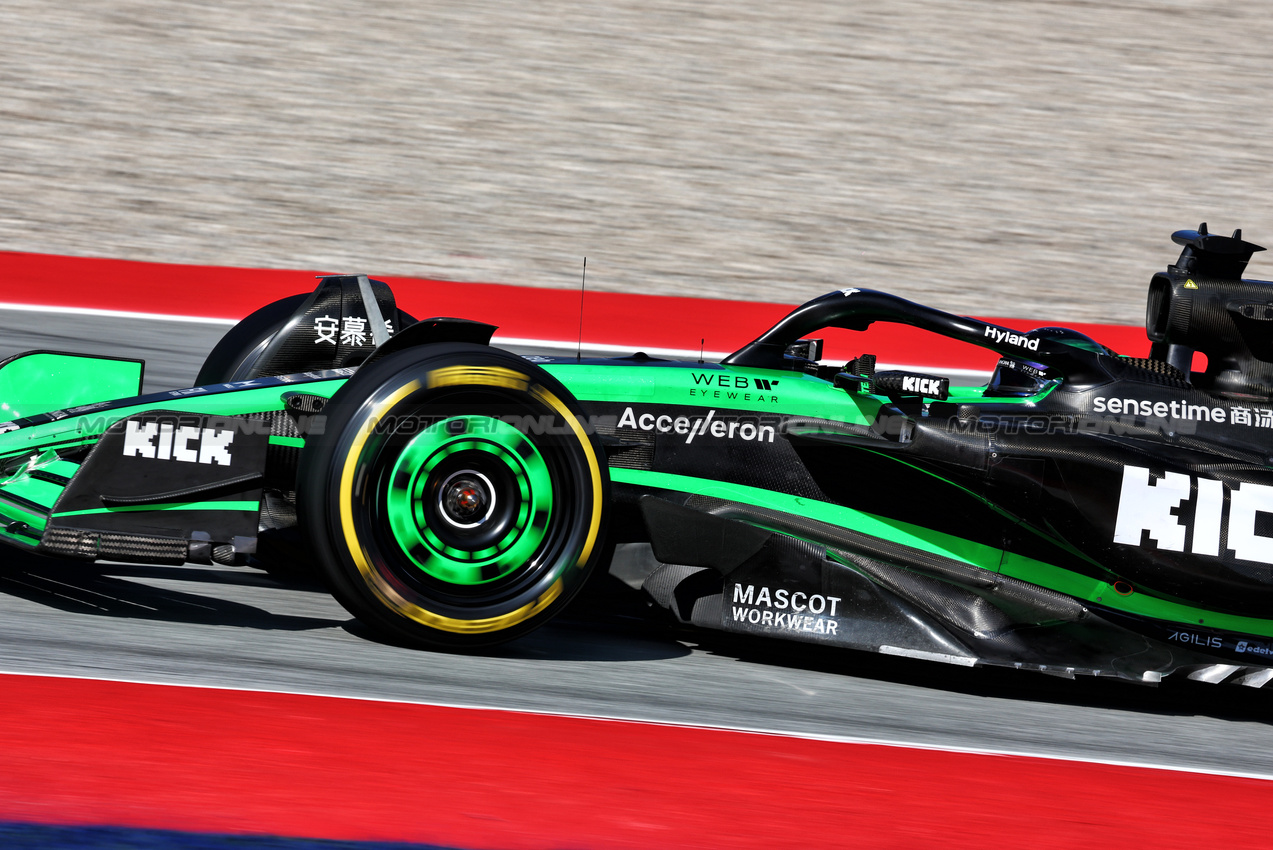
1006	157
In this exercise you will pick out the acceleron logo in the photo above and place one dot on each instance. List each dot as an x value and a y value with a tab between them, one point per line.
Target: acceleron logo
747	429
1187	513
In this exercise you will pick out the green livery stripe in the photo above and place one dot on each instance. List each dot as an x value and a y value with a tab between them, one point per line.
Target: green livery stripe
32	491
21	540
298	442
918	537
12	512
713	386
1010	564
64	468
1138	604
1053	577
171	506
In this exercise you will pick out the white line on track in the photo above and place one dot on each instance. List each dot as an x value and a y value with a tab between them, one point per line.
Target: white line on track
972	375
706	727
114	314
565	345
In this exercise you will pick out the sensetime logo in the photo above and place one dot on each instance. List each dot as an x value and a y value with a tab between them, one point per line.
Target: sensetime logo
1160	409
709	426
1158	508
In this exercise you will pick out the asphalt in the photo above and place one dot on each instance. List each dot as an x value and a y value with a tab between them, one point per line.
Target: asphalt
243	628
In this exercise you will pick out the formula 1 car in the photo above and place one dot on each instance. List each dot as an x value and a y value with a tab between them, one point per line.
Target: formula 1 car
1080	512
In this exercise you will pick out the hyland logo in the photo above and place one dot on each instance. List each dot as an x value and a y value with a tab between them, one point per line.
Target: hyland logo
1145	507
705	426
1010	338
186	443
780	608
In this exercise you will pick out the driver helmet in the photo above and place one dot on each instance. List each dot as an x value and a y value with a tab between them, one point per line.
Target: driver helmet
1018	377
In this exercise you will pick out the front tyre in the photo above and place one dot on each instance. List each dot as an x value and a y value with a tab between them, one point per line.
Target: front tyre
454	498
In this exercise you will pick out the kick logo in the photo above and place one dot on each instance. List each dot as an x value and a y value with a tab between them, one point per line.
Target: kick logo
169	441
1145	507
923	386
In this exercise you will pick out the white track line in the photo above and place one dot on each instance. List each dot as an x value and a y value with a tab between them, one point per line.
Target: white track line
565	345
114	314
707	727
972	375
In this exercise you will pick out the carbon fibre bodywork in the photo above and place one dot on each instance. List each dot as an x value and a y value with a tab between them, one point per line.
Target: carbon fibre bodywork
1027	531
1102	515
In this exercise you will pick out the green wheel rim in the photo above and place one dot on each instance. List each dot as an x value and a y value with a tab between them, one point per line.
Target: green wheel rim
505	481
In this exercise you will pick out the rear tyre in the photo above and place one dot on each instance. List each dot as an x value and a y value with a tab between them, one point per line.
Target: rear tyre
454	498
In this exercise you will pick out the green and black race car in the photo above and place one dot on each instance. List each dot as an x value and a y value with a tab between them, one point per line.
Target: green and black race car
1080	513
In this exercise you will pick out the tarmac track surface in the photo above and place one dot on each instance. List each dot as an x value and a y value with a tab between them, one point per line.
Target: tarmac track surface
241	628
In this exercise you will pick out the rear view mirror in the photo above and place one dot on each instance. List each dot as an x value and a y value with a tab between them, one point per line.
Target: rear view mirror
808	349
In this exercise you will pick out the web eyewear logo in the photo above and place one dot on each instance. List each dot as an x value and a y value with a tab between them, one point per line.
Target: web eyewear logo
746	429
728	381
1145	507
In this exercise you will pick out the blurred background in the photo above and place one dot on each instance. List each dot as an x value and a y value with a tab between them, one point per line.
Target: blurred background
1006	158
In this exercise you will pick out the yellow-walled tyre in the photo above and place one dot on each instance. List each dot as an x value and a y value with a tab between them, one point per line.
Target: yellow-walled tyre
455	498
